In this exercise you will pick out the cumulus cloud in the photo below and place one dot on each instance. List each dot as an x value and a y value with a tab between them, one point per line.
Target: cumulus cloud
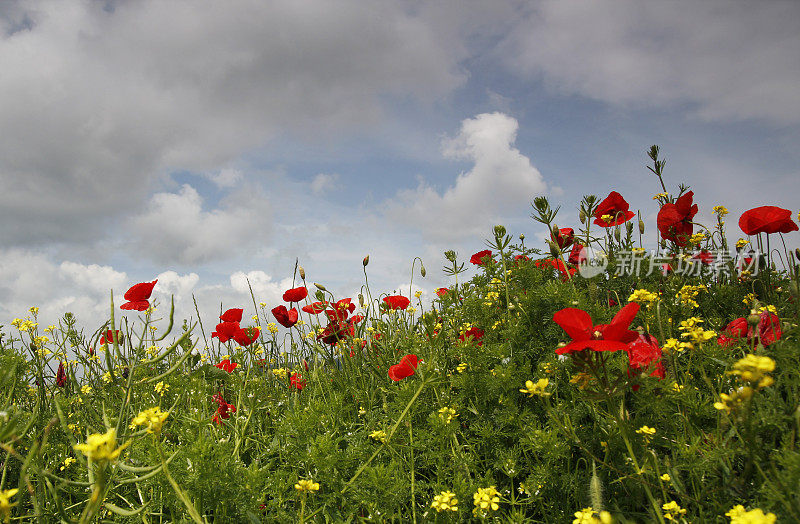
726	60
105	97
501	182
225	178
92	277
176	229
324	182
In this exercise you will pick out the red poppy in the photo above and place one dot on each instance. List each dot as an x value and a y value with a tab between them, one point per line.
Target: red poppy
232	315
564	238
227	365
285	318
768	330
643	353
675	220
341	310
137	296
356	319
577	255
296	294
521	258
108	338
224	410
246	336
406	368
296	381
475	333
705	257
336	331
478	257
603	337
61	375
614	206
315	308
225	331
397	302
442	291
767	219
556	263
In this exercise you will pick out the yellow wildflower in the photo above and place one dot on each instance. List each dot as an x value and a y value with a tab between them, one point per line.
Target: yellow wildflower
537	388
721	210
741	243
161	388
665	477
153	418
445	501
5	502
447	414
590	516
672	510
462	367
306	485
485	500
86	389
643	296
739	515
102	447
378	435
754	368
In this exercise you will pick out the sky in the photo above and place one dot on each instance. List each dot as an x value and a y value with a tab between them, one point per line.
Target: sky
211	144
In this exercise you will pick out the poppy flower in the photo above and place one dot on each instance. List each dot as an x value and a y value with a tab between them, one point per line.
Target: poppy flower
577	254
767	219
108	338
768	330
227	365
442	291
478	257
61	375
564	238
475	333
521	258
296	294
643	353
285	318
341	310
246	336
406	368
615	209
558	264
315	308
705	257
336	331
137	296
224	409
397	302
602	337
225	331
296	381
232	315
674	220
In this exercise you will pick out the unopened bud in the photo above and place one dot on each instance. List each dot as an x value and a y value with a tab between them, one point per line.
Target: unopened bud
320	287
522	239
320	296
361	300
365	261
582	216
450	255
422	270
302	273
499	231
554	249
641	226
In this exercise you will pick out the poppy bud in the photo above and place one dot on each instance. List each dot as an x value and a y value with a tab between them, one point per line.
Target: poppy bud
320	287
554	249
422	270
361	300
555	232
320	296
641	226
365	261
302	273
522	239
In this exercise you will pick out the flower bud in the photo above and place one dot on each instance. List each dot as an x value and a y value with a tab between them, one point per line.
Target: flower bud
361	300
641	226
582	216
499	231
422	270
554	249
365	261
320	287
302	273
450	255
522	239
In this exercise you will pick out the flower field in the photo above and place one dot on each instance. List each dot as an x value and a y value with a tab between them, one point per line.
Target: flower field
582	379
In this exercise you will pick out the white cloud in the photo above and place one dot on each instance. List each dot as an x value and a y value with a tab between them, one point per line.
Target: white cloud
92	277
727	60
264	288
102	100
501	182
226	177
175	229
324	182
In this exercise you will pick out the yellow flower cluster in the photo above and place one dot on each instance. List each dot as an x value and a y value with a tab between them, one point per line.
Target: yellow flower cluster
754	369
697	238
161	388
378	435
721	210
153	418
102	447
86	389
280	373
772	309
673	344
672	510
661	195
5	502
733	400
24	325
646	432
688	294
491	297
445	501
462	367
485	500
272	327
741	243
739	515
306	485
447	414
67	462
643	296
590	516
692	330
665	477
536	388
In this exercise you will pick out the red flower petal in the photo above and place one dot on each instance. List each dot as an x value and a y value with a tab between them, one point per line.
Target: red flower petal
397	302
232	315
284	317
245	337
138	305
295	295
478	257
767	219
315	308
140	291
576	322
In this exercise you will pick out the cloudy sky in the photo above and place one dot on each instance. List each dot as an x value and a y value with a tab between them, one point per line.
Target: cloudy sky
211	143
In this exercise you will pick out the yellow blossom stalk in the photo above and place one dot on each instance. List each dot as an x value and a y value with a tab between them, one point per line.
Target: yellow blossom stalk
445	501
672	510
306	486
153	418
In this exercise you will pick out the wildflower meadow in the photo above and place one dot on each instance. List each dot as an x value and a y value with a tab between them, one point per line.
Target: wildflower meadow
617	371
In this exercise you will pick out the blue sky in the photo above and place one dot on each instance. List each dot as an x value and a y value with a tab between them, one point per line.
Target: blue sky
203	143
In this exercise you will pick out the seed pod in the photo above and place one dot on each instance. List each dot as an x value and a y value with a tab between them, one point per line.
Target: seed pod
361	300
522	239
